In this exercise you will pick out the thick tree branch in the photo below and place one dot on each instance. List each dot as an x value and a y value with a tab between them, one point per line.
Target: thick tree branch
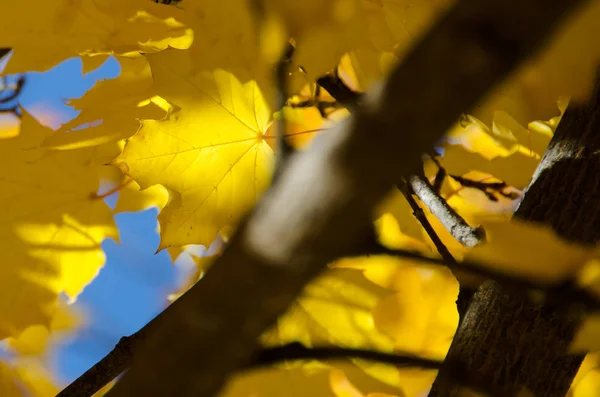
321	206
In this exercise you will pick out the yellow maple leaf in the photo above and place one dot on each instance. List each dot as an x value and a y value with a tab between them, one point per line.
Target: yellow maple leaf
53	226
391	28
218	30
325	30
587	380
211	154
133	199
61	29
35	339
277	382
342	387
587	337
529	250
515	169
421	317
396	205
334	309
566	67
111	109
25	378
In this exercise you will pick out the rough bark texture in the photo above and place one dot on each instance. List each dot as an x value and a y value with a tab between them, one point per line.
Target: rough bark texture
505	340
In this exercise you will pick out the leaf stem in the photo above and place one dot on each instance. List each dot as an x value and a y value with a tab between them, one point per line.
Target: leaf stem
114	190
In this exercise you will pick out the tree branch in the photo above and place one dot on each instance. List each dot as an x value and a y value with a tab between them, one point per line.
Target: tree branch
321	206
418	212
487	188
337	89
297	351
453	222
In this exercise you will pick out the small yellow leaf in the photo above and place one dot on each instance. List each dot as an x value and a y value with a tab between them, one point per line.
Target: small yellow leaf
133	199
26	377
529	250
587	381
588	336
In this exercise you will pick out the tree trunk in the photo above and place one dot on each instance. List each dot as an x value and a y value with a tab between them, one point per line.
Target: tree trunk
506	341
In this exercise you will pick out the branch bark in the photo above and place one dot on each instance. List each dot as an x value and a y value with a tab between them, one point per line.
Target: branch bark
321	206
459	229
506	339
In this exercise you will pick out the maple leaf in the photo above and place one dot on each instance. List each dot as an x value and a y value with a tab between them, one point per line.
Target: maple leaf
420	316
326	30
25	376
342	387
529	250
211	154
35	339
337	309
61	29
110	110
225	37
587	380
132	199
53	226
334	309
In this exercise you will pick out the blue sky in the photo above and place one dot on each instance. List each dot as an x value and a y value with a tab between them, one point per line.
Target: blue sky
134	284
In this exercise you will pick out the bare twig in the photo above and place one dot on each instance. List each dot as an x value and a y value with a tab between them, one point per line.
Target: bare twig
459	229
337	89
297	351
465	293
490	189
418	212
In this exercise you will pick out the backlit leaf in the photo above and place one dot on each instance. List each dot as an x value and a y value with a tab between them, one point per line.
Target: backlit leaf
211	155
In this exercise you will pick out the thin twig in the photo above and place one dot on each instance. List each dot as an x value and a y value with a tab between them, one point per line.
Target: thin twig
418	212
297	351
338	90
465	293
459	229
488	188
